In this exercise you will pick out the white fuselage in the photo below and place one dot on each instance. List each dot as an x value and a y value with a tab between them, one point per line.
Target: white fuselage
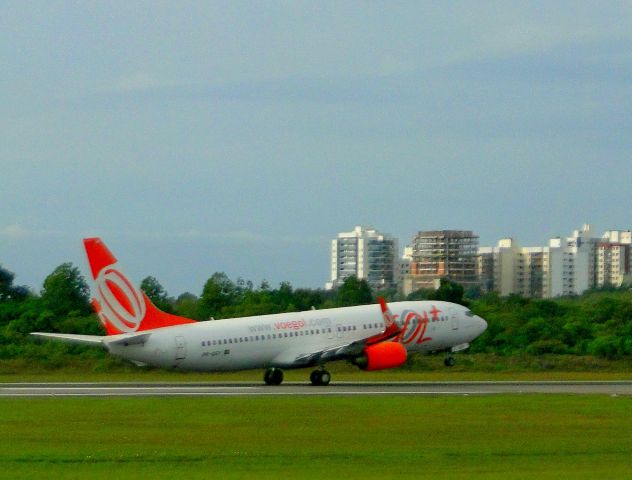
276	340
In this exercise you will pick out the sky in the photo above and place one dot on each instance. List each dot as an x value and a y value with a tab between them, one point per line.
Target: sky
196	137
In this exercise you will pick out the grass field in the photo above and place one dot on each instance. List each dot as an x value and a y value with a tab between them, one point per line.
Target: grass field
528	436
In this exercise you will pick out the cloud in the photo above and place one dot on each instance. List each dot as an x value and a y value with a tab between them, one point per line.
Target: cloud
14	231
17	232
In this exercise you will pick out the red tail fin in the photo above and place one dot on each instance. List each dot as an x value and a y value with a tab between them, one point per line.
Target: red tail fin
121	307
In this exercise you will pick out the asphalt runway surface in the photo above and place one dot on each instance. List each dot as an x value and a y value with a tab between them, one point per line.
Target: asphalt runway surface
244	389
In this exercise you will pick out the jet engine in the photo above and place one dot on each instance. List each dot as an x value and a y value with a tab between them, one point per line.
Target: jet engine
381	356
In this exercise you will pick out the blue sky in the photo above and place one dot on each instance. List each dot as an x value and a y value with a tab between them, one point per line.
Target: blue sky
196	137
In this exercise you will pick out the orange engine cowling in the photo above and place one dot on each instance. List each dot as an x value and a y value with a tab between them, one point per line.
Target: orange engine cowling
381	356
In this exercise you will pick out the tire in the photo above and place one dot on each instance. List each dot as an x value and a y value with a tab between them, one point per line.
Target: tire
320	378
449	362
273	376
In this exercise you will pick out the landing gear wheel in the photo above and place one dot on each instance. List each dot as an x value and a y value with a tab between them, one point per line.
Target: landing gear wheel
320	378
449	361
273	376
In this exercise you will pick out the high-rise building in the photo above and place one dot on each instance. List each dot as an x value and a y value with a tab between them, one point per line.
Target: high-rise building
440	254
366	254
509	268
567	266
572	263
613	258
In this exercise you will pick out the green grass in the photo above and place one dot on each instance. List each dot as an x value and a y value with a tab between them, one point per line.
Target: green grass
529	436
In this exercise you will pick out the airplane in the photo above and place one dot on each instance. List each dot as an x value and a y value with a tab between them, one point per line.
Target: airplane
373	337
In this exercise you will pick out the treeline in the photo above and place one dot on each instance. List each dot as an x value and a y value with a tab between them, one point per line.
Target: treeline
597	323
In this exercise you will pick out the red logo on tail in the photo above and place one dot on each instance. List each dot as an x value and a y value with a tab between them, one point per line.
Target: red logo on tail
121	307
121	304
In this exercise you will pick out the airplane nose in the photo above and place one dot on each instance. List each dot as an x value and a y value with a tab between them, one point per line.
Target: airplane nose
482	324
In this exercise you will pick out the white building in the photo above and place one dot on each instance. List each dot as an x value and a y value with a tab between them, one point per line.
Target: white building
572	263
567	266
404	264
509	268
613	258
366	254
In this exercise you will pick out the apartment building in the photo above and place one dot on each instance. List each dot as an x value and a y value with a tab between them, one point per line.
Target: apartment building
511	269
567	266
366	254
613	258
440	254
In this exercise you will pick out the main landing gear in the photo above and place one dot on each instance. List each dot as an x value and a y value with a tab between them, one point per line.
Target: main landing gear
449	361
273	376
320	378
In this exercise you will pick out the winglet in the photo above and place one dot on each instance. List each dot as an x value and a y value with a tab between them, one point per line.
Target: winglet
391	329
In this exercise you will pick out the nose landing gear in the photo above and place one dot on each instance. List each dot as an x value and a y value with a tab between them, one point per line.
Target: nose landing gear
273	376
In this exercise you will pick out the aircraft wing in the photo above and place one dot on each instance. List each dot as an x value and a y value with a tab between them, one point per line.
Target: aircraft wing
296	359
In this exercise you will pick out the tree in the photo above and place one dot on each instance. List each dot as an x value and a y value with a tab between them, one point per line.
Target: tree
450	291
156	293
354	292
6	283
8	291
186	305
66	292
219	292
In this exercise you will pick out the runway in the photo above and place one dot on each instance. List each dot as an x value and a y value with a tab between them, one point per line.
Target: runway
243	389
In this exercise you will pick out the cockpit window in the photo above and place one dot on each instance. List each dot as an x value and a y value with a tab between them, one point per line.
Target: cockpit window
468	313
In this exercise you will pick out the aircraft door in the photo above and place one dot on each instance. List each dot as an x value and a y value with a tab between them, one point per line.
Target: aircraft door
339	331
454	318
181	348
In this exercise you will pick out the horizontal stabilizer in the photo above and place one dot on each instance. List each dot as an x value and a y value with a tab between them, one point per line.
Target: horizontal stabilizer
125	339
72	338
